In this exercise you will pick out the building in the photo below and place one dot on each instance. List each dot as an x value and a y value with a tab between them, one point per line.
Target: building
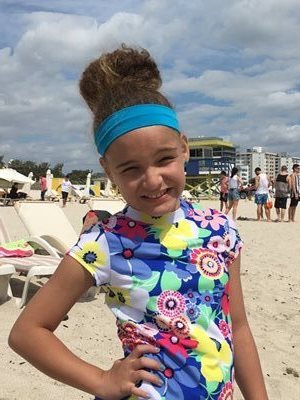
208	157
269	162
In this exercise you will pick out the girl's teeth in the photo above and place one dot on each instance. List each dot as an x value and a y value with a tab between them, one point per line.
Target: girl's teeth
156	196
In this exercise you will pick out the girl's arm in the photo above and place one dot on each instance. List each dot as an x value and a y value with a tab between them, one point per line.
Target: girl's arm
32	337
248	371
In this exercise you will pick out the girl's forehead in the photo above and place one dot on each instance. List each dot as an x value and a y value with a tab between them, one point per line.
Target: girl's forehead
150	138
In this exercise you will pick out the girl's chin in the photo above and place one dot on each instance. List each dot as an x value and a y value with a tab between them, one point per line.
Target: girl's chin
157	210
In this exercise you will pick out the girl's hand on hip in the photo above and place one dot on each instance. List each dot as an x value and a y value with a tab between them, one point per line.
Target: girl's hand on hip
121	380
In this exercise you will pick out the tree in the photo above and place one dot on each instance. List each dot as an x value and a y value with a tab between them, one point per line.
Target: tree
57	170
2	163
78	177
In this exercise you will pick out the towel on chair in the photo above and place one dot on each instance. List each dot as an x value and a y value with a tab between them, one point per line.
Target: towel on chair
20	248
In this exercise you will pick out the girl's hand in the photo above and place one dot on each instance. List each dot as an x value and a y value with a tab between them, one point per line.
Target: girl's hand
121	380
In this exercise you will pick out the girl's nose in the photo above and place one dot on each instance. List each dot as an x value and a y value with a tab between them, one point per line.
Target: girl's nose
152	179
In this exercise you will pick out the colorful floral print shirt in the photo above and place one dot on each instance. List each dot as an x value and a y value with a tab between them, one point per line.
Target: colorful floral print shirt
166	281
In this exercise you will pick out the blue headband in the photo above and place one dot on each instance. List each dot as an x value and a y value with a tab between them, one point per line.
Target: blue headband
130	118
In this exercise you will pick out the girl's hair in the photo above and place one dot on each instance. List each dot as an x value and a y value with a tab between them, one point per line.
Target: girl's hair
122	78
234	171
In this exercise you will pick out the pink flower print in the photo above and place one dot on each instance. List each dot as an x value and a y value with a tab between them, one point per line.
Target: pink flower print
131	337
224	328
218	244
227	392
131	229
207	263
171	303
210	217
225	300
174	344
226	238
109	224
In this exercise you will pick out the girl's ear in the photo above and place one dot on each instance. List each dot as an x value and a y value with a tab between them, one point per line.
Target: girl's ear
185	147
105	166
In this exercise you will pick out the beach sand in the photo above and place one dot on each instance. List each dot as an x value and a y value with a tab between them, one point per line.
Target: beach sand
271	284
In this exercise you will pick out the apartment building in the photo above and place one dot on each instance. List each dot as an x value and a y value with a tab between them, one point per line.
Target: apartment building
269	162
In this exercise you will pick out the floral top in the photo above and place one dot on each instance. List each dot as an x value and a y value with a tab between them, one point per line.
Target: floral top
166	281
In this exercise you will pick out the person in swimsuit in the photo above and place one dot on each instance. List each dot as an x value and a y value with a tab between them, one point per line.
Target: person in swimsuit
170	269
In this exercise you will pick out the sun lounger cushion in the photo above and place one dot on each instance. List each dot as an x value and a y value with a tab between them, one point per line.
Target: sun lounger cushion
19	248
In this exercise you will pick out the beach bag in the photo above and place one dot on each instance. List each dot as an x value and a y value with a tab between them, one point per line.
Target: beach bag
269	203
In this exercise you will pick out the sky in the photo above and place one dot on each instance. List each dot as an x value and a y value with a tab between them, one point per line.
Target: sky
232	69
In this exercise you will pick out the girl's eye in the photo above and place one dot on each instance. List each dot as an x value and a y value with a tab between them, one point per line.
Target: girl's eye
165	159
129	169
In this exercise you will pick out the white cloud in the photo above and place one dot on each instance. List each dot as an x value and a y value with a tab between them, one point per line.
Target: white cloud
232	70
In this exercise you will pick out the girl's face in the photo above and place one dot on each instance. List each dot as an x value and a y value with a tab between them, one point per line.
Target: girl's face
147	165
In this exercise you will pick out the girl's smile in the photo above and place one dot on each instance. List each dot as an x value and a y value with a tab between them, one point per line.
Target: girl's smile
147	165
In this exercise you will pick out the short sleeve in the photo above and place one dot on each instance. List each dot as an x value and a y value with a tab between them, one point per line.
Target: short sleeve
92	252
235	242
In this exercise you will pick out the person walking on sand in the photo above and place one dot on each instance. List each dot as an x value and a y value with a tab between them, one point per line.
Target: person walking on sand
262	184
66	187
163	263
43	186
294	182
223	191
234	184
281	193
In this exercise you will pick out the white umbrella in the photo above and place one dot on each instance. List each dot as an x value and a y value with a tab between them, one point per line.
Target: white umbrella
27	186
11	175
108	190
86	190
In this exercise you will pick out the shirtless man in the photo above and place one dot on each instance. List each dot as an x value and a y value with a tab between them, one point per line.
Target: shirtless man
294	183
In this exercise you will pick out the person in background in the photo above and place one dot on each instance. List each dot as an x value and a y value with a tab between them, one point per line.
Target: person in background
66	187
281	193
294	182
43	186
262	184
234	184
13	193
223	191
170	270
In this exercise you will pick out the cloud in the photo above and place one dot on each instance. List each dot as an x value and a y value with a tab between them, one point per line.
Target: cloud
231	69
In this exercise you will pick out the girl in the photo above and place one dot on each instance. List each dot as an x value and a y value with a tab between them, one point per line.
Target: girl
235	182
164	264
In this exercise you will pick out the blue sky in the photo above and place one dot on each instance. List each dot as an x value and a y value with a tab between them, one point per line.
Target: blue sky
232	68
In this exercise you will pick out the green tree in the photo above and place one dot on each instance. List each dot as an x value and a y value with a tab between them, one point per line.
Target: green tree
2	163
78	177
57	170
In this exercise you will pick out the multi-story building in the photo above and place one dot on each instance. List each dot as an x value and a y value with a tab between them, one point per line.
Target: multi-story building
269	162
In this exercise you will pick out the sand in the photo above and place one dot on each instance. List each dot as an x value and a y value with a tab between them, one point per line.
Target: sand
271	284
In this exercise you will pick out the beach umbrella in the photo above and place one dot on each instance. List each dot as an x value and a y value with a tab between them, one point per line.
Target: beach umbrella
27	186
108	190
86	190
11	175
49	177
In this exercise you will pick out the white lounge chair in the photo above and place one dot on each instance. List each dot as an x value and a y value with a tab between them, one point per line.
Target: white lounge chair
35	265
47	221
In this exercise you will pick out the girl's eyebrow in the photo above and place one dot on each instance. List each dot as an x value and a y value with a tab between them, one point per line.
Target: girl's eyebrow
159	151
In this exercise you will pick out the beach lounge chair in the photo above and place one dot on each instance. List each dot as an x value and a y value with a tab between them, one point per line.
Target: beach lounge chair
35	265
6	271
47	221
106	204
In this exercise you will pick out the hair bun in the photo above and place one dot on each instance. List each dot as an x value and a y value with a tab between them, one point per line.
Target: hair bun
122	67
